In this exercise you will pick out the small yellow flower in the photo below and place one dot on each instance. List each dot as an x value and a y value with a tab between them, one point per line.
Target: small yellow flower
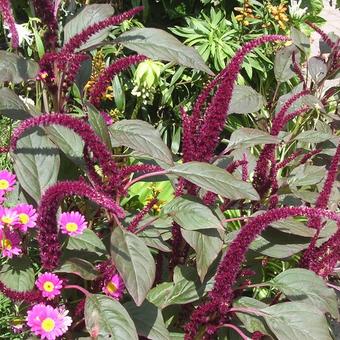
279	14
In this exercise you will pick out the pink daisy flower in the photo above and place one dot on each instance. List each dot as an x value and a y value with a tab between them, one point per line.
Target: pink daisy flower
9	243
7	180
8	217
27	217
49	284
72	223
114	287
48	322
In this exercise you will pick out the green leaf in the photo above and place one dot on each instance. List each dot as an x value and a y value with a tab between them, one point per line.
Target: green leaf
78	267
16	69
300	40
245	100
140	136
88	16
36	163
246	137
158	44
148	320
191	215
119	94
106	317
283	64
98	124
306	174
305	286
292	226
317	69
251	322
295	320
311	136
69	142
18	274
88	241
207	245
130	255
314	6
217	180
11	105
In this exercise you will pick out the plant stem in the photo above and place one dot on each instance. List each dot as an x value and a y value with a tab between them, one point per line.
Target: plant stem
333	286
247	311
144	226
242	218
150	174
81	289
236	329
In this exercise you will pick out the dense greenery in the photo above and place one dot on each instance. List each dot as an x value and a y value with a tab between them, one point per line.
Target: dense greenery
186	191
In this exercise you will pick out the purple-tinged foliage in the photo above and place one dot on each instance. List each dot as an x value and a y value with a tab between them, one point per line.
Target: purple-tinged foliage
81	38
44	10
33	296
47	216
92	141
215	310
8	18
105	77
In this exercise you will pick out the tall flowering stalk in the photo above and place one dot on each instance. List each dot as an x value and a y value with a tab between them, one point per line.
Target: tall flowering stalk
8	18
81	38
92	141
47	216
216	113
214	312
33	296
106	76
44	10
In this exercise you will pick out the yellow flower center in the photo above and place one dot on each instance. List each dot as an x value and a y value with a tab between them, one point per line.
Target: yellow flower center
6	244
24	218
6	219
4	184
111	287
48	325
71	227
48	286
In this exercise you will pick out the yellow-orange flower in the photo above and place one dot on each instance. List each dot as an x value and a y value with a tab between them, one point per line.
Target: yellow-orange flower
279	14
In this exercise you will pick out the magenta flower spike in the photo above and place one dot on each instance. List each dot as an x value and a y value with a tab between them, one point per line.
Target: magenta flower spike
114	287
72	223
7	181
27	217
106	76
217	111
221	296
84	130
82	37
8	18
48	322
47	216
30	297
10	243
49	284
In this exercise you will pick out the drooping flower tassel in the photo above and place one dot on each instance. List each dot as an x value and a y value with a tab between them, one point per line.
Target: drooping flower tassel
214	311
49	246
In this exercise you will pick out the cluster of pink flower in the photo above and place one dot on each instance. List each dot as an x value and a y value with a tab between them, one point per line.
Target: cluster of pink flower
13	221
44	320
16	220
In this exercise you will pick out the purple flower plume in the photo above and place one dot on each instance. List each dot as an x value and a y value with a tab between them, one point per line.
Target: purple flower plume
216	113
44	10
92	141
82	37
323	35
47	216
215	310
33	296
141	168
105	77
8	18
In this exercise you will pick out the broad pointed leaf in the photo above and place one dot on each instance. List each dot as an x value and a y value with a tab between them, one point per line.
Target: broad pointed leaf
215	179
11	105
107	318
283	65
158	44
134	262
